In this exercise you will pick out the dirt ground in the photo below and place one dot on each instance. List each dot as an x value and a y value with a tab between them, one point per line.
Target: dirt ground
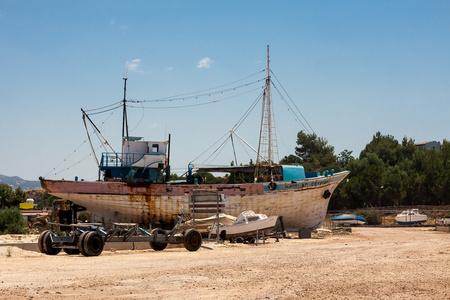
369	263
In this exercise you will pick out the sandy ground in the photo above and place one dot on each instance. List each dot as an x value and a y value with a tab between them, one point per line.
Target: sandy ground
370	263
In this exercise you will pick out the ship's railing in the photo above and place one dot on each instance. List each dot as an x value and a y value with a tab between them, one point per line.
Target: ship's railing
110	159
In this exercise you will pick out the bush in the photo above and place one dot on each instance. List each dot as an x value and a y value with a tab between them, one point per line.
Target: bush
11	221
370	215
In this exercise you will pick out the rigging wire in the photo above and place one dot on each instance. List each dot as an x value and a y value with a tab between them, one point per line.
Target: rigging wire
81	160
196	96
249	110
99	108
198	104
76	149
292	102
209	147
65	159
139	122
218	150
102	142
103	111
237	125
291	111
179	96
245	149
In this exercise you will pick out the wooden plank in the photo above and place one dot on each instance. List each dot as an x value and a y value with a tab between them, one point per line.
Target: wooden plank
207	211
197	200
212	205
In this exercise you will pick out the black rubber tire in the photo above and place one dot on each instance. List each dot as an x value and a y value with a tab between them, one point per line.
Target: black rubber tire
192	240
157	246
47	243
239	240
41	241
223	235
272	186
93	243
71	251
81	243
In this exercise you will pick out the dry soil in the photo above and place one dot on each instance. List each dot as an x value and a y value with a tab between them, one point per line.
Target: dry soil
370	263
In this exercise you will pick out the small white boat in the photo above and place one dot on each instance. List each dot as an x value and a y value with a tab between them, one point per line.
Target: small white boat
410	216
247	224
203	225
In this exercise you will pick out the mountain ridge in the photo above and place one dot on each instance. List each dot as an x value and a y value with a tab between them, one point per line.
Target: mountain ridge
16	181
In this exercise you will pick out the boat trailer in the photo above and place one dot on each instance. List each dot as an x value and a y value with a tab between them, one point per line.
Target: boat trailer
90	238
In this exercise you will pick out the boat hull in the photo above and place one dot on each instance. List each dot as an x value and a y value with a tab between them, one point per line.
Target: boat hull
347	219
261	227
410	217
410	222
349	222
302	204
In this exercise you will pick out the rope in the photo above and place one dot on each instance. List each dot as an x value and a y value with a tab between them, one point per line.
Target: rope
293	103
90	154
199	104
179	96
74	151
291	111
209	148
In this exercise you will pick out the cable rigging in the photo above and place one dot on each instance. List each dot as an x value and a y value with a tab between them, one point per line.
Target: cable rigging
179	96
292	103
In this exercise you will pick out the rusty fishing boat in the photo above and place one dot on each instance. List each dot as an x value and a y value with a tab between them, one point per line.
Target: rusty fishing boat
134	185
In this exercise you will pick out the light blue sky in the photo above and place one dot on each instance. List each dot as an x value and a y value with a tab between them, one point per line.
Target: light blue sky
352	67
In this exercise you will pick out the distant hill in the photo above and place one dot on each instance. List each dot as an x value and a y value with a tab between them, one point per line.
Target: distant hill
16	181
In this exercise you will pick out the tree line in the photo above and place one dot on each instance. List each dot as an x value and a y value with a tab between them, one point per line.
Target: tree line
386	173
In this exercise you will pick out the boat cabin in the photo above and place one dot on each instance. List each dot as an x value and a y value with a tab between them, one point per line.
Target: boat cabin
139	161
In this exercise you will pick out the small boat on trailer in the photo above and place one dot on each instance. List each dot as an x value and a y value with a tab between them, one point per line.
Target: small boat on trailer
203	225
348	219
410	217
247	225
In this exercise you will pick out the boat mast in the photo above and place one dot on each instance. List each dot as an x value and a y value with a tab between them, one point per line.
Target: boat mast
269	111
267	139
125	120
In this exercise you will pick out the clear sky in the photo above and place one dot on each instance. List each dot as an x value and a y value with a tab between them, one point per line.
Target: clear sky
352	67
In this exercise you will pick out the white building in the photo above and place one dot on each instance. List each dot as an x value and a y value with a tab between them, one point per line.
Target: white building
429	145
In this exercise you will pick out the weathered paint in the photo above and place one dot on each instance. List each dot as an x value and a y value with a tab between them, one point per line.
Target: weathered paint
301	203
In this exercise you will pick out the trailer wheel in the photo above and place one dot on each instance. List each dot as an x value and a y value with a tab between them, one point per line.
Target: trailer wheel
157	246
41	241
46	243
71	251
93	243
81	243
192	240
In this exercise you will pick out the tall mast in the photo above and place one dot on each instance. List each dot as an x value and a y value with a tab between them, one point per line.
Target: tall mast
267	139
125	120
269	109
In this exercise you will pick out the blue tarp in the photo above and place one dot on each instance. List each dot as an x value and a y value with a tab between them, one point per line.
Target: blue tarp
346	217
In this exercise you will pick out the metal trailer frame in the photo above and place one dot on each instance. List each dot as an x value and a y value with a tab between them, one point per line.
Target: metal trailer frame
90	238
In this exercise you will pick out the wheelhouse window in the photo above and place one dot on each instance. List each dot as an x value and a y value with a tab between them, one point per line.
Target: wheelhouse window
155	148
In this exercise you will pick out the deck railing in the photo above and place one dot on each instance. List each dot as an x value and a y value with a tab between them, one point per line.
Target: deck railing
110	159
